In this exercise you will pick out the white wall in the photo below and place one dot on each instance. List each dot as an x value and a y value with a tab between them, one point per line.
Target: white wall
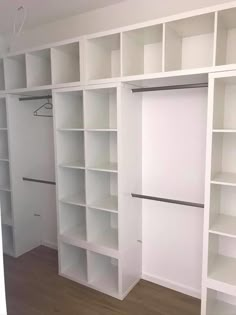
122	14
2	284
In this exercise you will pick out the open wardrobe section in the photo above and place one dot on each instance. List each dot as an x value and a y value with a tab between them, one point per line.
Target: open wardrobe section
118	150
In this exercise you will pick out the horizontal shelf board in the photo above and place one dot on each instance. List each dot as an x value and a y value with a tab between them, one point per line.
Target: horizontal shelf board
108	238
108	167
74	234
4	188
101	130
4	160
224	130
3	129
77	200
224	225
222	275
70	129
228	179
76	165
222	308
107	203
7	221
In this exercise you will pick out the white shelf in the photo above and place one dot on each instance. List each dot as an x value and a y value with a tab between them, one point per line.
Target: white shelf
3	114
226	37
189	43
106	167
100	109
5	188
7	221
103	273
15	72
69	110
73	262
224	225
77	200
143	50
102	228
66	63
217	306
73	235
224	130
103	57
74	165
107	203
2	78
4	175
228	179
38	65
4	146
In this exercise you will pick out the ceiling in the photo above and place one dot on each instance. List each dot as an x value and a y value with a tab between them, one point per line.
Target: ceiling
46	11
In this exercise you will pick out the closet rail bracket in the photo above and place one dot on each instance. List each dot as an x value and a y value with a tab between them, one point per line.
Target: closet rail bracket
171	87
34	180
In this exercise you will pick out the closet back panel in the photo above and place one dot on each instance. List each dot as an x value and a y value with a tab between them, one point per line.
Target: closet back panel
174	132
32	155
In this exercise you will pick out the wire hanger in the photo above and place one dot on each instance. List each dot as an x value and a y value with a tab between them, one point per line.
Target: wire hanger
48	105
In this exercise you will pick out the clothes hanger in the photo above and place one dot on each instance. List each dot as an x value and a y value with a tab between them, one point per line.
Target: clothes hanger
48	105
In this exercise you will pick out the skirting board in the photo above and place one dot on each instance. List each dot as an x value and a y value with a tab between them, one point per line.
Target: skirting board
50	245
172	285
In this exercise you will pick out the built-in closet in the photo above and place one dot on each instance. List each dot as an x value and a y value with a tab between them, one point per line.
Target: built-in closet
72	174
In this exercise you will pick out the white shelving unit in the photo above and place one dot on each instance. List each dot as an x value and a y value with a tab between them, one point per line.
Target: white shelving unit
143	50
192	41
2	78
15	72
90	214
66	63
103	57
219	262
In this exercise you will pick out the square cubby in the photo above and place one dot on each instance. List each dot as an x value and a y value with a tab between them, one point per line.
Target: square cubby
103	228
102	190
219	303
3	114
73	262
15	72
66	63
101	109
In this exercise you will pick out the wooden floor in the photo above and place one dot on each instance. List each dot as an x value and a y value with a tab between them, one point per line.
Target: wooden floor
34	288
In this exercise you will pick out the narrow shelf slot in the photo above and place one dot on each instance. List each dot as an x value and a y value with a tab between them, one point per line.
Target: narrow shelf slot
3	114
222	210
7	239
66	63
224	114
69	110
2	77
6	208
103	57
71	186
70	149
101	109
222	263
38	65
223	158
103	273
142	50
226	37
4	176
189	43
3	145
103	228
101	151
73	262
102	190
72	220
220	304
15	72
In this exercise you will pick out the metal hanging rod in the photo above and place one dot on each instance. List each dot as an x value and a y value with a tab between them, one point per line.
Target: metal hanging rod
27	179
34	98
178	202
171	87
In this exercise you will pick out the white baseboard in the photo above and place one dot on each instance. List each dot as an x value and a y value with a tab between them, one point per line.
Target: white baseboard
50	245
173	285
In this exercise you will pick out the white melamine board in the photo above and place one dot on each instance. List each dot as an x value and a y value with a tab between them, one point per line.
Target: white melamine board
103	228
2	77
103	272
6	208
142	50
103	57
192	41
71	184
38	65
101	150
220	304
129	111
174	144
66	63
2	283
4	145
226	36
3	114
73	262
101	190
15	72
72	219
224	104
69	110
70	148
100	110
4	175
223	156
36	160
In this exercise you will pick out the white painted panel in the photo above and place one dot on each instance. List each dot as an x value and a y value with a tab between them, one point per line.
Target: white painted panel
174	132
3	310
